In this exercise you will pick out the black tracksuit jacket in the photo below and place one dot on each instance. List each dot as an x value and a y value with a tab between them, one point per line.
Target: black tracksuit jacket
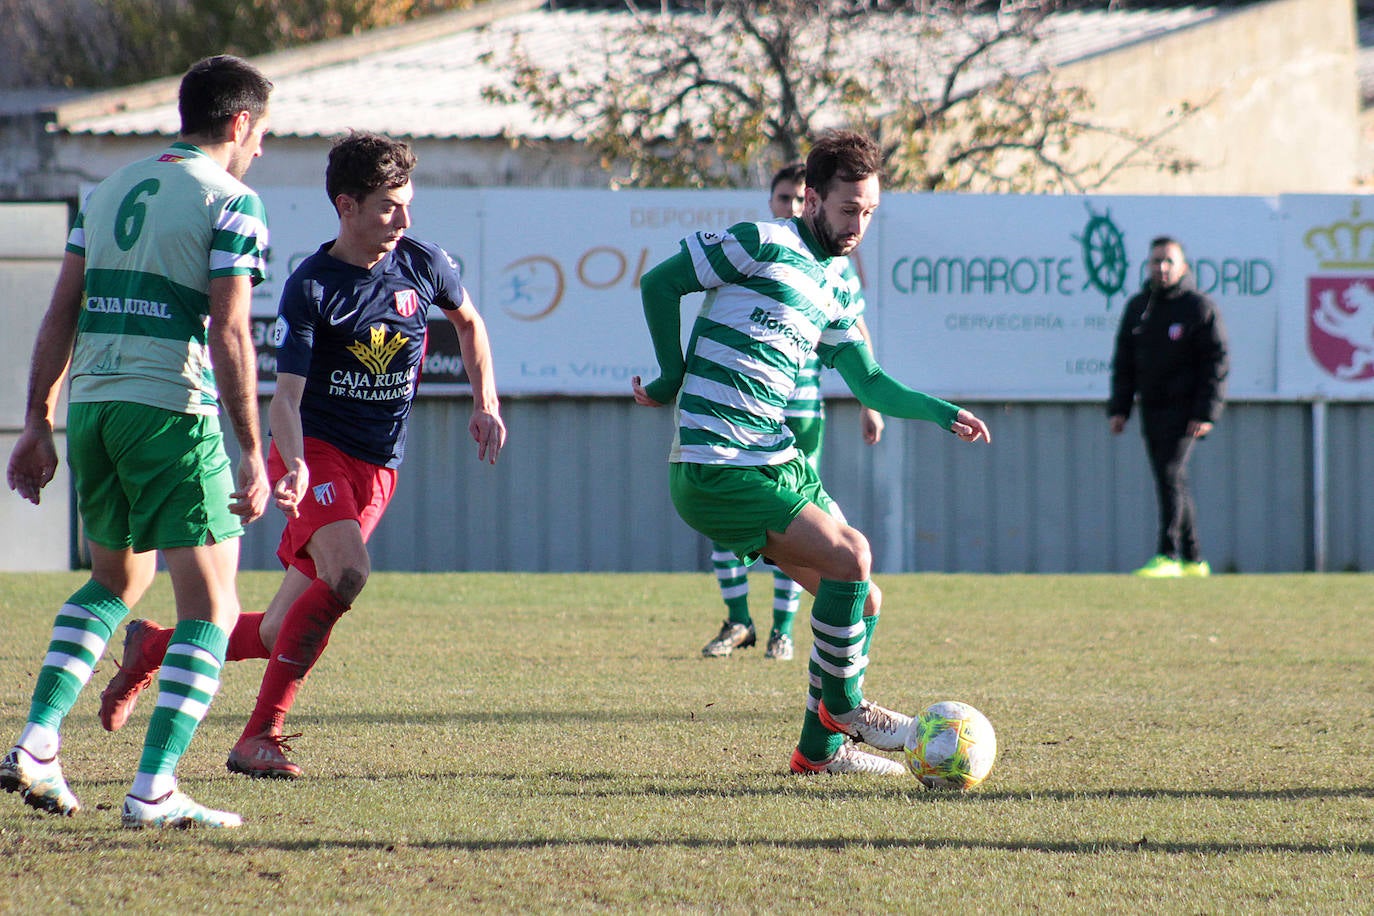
1171	352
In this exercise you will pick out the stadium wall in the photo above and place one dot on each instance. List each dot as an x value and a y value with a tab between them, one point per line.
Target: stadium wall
31	238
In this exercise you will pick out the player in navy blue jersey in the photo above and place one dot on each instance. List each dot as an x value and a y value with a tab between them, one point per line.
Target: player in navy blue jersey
350	337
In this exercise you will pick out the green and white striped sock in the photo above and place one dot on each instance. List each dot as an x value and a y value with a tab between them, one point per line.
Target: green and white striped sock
786	600
80	632
187	682
733	576
835	669
870	624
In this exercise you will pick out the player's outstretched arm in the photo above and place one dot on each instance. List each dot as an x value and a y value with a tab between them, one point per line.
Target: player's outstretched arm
880	391
969	428
34	459
487	428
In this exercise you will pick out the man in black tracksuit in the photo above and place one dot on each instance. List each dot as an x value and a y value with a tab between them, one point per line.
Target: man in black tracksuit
1171	353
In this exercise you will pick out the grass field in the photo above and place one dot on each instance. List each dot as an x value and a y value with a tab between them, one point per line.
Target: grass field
535	743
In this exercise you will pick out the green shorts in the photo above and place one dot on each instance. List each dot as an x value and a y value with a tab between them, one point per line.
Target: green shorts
736	507
149	478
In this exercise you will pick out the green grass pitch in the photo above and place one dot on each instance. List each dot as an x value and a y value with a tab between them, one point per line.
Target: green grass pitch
555	743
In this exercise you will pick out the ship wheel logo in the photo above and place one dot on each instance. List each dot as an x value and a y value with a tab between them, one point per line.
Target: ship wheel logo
1104	254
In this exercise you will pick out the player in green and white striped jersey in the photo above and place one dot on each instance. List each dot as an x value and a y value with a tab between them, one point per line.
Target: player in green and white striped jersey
142	336
157	280
805	416
775	294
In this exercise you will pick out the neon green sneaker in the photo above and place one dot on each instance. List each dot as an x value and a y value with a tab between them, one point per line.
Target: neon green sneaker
1161	567
1201	569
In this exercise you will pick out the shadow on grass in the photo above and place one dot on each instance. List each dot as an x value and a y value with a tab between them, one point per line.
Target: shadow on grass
708	713
614	784
1068	847
240	841
622	784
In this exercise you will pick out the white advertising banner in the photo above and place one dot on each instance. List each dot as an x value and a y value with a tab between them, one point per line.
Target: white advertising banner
969	296
1326	338
555	274
1020	297
560	280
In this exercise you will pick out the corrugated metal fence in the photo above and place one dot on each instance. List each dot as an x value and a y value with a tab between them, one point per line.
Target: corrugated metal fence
582	487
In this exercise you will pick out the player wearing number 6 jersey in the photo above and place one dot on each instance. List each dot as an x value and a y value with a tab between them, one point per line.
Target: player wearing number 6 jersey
775	294
152	310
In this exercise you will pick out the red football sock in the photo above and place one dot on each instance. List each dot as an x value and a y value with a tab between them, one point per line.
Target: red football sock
304	634
245	640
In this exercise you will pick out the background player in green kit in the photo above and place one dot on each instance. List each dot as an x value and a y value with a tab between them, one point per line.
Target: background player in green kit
155	287
776	292
805	416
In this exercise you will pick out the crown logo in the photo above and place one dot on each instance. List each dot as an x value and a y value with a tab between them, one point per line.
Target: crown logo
1343	245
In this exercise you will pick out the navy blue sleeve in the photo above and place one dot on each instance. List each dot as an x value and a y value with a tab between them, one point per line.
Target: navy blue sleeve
448	281
294	333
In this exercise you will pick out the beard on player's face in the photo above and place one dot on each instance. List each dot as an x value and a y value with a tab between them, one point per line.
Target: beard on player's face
832	243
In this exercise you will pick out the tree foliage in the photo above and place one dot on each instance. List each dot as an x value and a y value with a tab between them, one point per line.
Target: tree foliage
101	43
720	95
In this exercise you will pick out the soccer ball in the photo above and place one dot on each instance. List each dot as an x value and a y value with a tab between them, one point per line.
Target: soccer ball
951	745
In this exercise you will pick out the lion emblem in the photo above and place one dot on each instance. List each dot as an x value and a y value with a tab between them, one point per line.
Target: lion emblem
1347	314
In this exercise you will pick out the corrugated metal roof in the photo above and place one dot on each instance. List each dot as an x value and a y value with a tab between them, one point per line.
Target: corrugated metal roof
433	88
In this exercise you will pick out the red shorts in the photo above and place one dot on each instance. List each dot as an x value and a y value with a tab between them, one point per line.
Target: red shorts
341	487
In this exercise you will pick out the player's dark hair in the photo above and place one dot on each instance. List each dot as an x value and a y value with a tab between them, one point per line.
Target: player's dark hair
794	172
215	90
841	155
362	162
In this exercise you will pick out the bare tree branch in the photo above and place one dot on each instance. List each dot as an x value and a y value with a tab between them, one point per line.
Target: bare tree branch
952	89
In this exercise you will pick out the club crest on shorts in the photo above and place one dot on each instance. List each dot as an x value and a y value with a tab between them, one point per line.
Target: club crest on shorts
407	301
324	493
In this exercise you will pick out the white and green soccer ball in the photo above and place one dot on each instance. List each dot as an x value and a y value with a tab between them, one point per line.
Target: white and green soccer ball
951	745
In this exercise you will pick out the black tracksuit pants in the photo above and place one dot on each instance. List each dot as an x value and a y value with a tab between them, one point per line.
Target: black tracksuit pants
1169	446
